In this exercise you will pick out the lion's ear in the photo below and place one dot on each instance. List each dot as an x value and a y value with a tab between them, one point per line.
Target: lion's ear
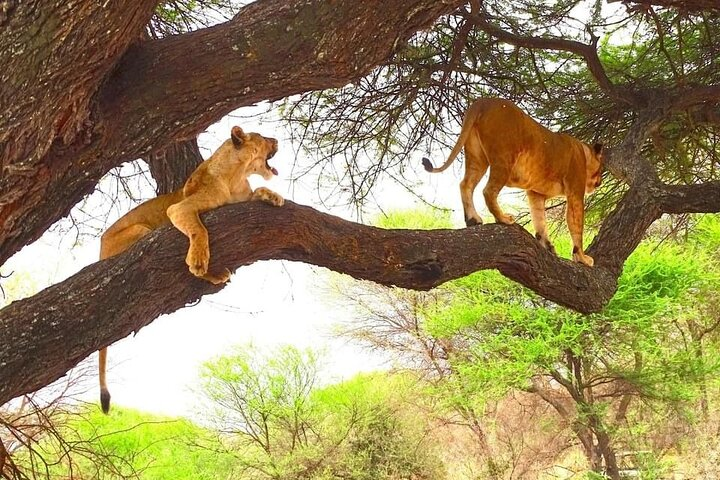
598	148
238	136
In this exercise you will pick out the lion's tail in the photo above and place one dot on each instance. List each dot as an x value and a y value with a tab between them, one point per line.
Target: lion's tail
105	252
104	392
467	125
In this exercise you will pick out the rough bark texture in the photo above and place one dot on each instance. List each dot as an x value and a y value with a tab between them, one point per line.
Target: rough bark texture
171	166
85	122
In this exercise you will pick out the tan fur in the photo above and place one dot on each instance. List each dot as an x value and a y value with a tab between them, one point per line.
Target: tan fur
522	153
220	180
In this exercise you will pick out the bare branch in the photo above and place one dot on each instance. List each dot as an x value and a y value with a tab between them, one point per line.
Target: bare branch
587	51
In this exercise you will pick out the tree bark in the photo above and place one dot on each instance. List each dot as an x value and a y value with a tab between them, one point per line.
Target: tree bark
106	104
170	167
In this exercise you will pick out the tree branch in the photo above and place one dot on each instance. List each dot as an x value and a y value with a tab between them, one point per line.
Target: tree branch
170	89
689	97
45	335
699	198
587	51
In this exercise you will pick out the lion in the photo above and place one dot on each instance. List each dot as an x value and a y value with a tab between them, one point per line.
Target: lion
522	153
220	180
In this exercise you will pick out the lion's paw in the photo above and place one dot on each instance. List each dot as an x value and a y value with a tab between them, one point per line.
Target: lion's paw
545	242
506	219
219	278
473	221
268	196
198	260
584	259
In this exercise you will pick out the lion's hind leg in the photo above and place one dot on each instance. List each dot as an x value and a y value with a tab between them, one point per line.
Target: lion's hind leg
475	167
537	211
575	215
499	176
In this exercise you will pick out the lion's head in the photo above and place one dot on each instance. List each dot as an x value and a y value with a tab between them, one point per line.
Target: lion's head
256	151
593	166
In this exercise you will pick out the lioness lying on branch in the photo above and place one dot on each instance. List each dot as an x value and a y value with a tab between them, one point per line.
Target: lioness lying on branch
522	153
220	180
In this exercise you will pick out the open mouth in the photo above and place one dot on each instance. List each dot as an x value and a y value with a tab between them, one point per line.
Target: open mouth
267	164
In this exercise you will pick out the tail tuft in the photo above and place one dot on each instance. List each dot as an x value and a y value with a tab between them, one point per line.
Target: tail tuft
427	164
105	400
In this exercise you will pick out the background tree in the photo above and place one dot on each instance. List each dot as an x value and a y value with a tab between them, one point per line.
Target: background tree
41	436
271	415
636	363
88	88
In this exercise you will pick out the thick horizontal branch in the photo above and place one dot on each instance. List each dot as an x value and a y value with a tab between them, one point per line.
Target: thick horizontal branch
684	98
167	90
45	335
270	50
700	198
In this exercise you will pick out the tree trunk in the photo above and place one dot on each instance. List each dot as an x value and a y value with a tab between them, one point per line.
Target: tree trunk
171	166
607	453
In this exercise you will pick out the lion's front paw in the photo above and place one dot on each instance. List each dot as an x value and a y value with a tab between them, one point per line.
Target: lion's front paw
584	259
198	259
506	219
268	196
